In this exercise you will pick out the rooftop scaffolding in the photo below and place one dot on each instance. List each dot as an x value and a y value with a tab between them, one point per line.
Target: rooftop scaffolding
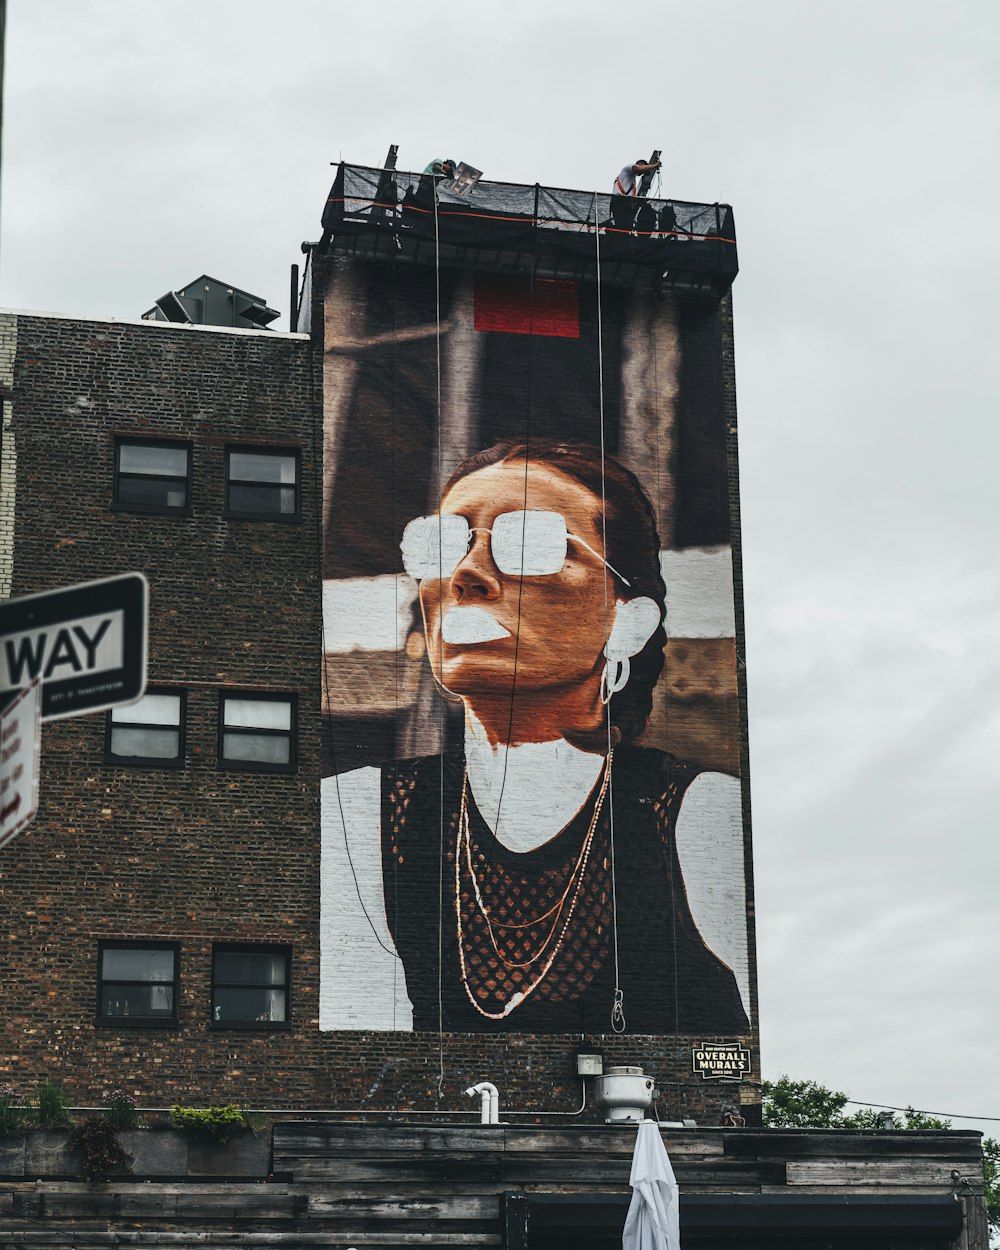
514	228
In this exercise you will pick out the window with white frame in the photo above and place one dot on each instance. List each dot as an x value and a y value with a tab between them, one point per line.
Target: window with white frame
149	731
257	731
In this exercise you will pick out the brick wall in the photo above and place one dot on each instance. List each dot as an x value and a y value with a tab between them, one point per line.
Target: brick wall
8	451
200	855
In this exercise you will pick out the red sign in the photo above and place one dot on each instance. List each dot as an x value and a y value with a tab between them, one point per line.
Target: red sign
511	304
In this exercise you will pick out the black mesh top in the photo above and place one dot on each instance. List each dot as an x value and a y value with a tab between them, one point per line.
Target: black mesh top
671	981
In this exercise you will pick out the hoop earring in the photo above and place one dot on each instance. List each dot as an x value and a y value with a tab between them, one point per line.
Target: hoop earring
614	678
449	696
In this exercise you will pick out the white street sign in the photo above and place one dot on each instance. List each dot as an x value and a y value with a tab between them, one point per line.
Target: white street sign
86	643
20	752
90	644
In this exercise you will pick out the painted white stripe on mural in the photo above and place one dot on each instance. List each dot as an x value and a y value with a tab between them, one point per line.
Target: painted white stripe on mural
362	985
710	846
699	592
376	613
367	613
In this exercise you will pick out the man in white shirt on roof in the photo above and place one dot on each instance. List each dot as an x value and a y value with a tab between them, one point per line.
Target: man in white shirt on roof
627	183
626	187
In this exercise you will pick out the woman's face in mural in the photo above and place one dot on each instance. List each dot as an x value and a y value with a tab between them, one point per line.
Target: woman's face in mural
472	617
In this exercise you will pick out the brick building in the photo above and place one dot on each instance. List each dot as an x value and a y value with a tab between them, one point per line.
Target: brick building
174	854
124	448
195	915
165	904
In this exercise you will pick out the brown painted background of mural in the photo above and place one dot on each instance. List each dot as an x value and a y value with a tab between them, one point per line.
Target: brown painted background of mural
663	416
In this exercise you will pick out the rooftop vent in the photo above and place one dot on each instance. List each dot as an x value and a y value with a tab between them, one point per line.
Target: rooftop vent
624	1093
208	302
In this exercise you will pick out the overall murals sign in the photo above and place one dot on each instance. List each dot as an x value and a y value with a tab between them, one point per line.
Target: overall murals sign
531	810
721	1061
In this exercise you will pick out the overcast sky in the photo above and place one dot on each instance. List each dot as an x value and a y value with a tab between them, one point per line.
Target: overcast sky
145	144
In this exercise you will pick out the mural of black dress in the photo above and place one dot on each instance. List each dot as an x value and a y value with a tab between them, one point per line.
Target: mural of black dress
522	932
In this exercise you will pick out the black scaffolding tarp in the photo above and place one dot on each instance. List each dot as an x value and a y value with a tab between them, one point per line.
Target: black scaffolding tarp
512	227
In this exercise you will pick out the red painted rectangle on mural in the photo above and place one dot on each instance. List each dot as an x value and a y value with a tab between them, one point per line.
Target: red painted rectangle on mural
508	304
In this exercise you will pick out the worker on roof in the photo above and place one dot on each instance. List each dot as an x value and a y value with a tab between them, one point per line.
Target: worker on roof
626	187
441	167
627	183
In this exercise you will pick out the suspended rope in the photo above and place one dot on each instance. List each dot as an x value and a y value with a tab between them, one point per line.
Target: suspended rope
666	690
618	1005
520	580
331	739
440	481
395	653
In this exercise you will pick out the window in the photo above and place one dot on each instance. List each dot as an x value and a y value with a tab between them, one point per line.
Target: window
262	483
152	476
137	983
257	731
250	987
150	731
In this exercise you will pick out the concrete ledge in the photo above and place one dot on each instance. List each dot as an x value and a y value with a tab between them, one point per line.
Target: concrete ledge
37	1154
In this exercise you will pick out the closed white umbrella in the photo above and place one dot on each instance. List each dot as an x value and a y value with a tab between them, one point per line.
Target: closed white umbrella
652	1222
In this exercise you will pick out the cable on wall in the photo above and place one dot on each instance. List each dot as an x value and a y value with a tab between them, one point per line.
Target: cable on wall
653	327
397	966
520	580
618	1023
325	679
440	478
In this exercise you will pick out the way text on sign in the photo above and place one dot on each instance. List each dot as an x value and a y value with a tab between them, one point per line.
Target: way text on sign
93	644
85	644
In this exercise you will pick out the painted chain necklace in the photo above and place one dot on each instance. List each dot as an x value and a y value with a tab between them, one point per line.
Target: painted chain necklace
561	911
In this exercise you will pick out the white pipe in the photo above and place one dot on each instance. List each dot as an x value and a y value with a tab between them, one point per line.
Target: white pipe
490	1106
484	1111
395	1113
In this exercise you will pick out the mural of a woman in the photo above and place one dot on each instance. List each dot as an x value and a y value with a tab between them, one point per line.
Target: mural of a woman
525	881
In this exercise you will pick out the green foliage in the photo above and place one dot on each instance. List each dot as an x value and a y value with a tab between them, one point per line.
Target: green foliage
217	1122
13	1112
103	1153
119	1109
802	1104
51	1110
870	1118
807	1104
991	1172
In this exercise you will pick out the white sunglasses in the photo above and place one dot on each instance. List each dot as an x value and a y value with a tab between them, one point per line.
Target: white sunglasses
528	544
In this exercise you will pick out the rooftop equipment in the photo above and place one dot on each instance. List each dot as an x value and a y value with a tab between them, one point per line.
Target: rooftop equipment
208	302
507	227
624	1093
490	1106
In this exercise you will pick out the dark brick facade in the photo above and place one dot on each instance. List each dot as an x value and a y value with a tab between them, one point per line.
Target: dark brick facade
200	855
197	854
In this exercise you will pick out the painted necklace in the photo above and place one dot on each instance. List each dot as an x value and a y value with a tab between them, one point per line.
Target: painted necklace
574	883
